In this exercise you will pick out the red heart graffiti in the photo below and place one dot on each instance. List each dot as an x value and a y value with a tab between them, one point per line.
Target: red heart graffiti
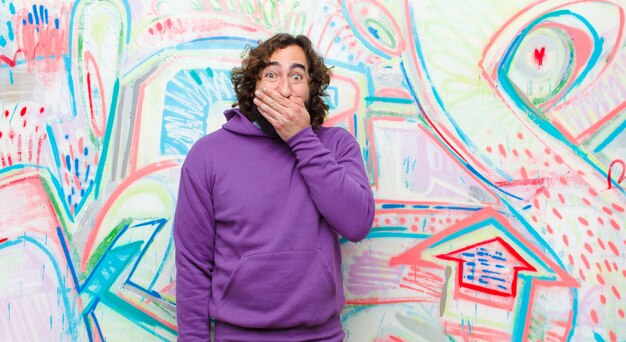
539	54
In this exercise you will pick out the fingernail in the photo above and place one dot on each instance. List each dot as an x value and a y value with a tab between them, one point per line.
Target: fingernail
264	89
256	92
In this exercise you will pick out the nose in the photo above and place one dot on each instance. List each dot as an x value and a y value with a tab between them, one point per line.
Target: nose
284	87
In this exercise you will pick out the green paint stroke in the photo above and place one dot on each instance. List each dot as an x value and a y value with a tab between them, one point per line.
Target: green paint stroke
103	246
372	24
55	204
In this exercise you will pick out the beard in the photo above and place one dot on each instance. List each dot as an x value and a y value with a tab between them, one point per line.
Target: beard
265	125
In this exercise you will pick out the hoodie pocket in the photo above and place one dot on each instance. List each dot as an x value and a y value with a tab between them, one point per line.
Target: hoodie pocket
279	290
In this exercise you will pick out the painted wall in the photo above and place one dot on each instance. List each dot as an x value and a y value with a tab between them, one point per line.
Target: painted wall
493	133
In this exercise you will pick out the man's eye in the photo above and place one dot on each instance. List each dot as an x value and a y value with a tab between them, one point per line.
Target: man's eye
270	75
297	77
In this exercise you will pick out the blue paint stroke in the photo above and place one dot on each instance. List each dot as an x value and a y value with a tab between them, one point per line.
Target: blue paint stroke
63	290
611	137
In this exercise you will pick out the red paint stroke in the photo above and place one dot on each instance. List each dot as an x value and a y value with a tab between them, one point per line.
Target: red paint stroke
98	127
539	55
614	250
39	144
616	292
585	261
19	147
614	224
90	97
30	149
3	240
502	150
521	182
377	301
11	62
77	182
621	177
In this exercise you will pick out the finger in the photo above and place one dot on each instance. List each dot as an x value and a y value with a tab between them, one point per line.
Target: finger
268	101
264	108
262	100
275	96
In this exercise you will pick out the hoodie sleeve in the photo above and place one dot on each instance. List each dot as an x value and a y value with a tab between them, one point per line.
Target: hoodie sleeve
194	241
337	183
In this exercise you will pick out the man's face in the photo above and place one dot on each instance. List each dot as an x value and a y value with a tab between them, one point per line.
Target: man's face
287	73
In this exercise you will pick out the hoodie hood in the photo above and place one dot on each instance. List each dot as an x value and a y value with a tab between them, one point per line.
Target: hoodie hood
238	123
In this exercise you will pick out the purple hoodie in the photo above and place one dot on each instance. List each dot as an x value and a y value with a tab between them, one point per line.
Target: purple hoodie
256	232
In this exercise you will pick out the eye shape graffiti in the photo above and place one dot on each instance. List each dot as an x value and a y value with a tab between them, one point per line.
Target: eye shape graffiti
558	65
527	71
374	26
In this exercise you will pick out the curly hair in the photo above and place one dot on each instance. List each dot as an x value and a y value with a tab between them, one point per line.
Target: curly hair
245	77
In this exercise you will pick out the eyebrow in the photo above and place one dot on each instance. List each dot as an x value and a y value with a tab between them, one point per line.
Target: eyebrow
293	66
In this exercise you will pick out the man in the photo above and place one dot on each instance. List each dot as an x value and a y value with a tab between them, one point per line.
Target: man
261	204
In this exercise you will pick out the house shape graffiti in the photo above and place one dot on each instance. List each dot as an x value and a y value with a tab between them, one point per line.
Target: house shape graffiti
491	266
492	272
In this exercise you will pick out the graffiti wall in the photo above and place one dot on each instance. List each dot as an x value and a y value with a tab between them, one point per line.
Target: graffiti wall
493	134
